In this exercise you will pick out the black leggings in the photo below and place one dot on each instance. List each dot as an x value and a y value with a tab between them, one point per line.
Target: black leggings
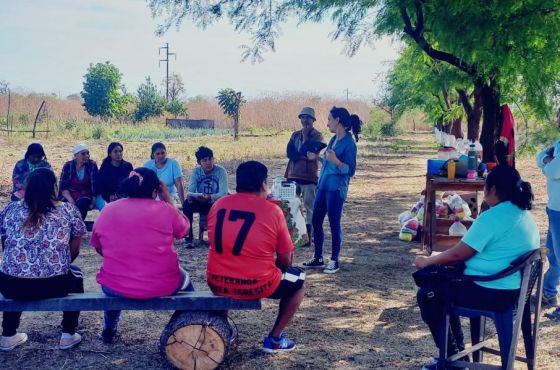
464	294
34	289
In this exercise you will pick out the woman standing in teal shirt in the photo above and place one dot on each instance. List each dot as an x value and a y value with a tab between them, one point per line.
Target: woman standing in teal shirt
339	165
499	236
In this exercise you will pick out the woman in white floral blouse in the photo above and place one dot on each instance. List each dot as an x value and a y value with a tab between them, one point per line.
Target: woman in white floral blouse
41	237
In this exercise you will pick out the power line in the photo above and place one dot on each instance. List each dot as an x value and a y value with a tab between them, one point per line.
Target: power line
166	60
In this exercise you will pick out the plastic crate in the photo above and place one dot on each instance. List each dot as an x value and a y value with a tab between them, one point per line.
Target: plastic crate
288	190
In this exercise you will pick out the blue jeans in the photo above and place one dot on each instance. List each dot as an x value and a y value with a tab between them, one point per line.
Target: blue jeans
111	318
327	202
552	276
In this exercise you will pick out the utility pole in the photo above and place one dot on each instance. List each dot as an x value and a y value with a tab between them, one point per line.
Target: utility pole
166	60
347	93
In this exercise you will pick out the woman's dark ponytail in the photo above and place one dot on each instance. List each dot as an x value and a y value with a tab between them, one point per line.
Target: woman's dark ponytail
356	124
510	187
525	197
349	122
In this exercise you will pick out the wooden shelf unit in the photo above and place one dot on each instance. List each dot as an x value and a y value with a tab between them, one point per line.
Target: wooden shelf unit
435	232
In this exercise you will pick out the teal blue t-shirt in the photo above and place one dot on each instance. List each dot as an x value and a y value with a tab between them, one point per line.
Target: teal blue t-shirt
168	173
500	235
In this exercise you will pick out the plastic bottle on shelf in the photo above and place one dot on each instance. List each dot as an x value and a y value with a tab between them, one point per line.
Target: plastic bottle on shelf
472	161
460	147
478	148
457	229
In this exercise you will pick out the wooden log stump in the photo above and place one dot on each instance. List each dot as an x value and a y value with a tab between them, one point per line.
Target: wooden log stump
196	339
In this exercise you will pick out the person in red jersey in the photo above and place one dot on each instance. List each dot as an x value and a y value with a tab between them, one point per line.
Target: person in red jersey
251	251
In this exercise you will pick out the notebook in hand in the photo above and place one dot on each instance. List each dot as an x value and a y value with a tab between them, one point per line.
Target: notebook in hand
312	146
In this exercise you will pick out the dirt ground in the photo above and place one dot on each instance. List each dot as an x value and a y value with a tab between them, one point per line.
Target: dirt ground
364	317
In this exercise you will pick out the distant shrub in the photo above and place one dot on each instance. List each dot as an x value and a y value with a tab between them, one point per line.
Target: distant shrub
389	129
177	108
70	124
149	103
23	118
96	133
379	125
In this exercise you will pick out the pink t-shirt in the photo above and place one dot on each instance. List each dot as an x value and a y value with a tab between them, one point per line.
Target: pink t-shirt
135	237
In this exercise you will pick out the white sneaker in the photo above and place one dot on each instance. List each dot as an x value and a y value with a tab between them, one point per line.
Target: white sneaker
69	341
332	267
9	343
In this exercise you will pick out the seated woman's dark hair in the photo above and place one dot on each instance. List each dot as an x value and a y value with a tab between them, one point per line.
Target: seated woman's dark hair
110	148
509	186
203	152
40	195
348	121
35	149
157	146
141	183
250	176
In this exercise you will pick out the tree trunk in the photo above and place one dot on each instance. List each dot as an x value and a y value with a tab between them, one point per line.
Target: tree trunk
457	127
237	114
440	126
473	127
491	120
474	112
235	128
196	340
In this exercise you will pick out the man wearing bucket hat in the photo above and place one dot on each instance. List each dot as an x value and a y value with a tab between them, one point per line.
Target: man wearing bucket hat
303	165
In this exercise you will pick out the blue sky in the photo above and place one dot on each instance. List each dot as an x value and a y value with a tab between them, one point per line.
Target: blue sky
46	46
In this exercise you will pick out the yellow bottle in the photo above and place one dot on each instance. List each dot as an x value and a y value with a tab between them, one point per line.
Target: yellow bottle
451	169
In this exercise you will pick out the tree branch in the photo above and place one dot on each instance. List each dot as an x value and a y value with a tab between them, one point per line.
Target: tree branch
417	34
464	98
419	18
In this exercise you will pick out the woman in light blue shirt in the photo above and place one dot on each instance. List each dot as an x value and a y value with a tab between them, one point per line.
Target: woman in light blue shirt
498	236
168	170
549	162
339	165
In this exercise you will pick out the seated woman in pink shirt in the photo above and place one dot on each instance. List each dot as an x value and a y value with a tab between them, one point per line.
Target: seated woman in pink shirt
135	237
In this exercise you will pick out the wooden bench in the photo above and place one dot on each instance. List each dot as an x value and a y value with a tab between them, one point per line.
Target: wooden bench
197	336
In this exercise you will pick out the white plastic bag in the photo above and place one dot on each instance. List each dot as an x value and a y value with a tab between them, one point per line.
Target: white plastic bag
457	229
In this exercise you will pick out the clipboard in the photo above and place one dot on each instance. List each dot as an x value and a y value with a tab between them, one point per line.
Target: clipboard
312	146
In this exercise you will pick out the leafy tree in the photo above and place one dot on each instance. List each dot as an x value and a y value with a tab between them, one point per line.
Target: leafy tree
102	92
417	81
231	101
149	102
176	86
503	47
177	108
498	45
4	87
